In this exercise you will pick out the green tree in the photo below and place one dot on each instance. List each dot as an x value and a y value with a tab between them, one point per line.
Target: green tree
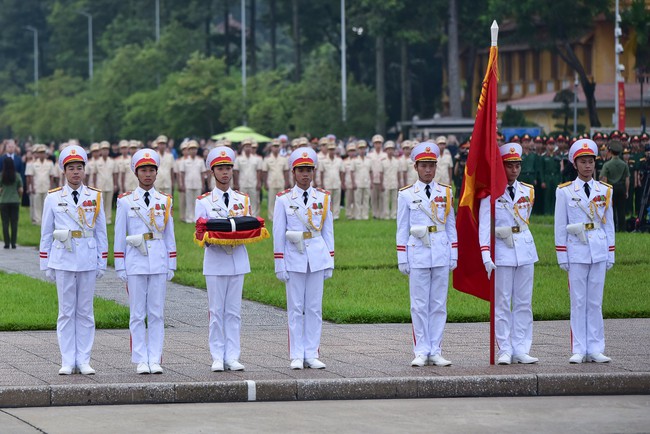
556	25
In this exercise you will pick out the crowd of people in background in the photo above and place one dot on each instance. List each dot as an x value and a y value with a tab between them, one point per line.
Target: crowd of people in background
363	176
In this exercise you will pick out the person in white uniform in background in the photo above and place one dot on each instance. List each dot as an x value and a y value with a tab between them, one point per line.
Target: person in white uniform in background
224	266
303	246
73	253
145	258
585	246
427	250
515	256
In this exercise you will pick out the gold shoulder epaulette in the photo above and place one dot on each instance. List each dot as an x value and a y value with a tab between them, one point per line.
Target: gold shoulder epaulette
528	185
564	184
604	183
405	187
204	195
54	190
282	193
165	194
94	189
322	190
444	185
241	192
126	193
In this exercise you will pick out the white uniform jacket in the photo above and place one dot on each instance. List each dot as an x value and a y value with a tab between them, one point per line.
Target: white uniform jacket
314	221
86	247
223	260
435	216
134	217
595	242
511	216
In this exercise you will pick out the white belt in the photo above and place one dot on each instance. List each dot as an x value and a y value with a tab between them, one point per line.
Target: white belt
512	229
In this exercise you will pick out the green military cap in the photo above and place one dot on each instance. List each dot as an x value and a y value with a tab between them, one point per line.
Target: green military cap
615	146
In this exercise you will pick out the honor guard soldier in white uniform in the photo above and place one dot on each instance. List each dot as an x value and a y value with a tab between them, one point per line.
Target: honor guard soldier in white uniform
145	257
303	245
515	256
584	243
426	252
224	266
73	252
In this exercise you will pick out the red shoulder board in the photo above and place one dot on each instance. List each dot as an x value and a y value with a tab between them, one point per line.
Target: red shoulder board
204	195
282	193
323	191
126	193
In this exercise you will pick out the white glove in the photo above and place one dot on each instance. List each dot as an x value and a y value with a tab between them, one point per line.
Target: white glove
282	276
99	274
489	267
609	265
170	275
453	264
565	266
122	275
50	274
404	268
327	273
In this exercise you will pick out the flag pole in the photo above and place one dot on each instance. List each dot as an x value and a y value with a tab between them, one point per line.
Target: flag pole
494	30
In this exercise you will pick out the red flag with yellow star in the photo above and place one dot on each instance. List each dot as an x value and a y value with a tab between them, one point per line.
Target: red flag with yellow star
484	173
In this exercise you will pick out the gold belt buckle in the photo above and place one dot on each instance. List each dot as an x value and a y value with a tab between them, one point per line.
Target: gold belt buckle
306	235
516	229
589	226
76	234
148	236
433	228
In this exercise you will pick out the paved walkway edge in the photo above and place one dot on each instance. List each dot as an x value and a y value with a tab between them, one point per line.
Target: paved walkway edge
299	390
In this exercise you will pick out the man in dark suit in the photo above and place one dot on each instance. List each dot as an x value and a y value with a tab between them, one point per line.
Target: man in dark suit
10	152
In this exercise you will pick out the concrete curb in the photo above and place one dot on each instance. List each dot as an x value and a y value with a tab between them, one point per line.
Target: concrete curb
304	390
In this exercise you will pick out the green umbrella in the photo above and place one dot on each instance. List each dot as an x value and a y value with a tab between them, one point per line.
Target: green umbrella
241	133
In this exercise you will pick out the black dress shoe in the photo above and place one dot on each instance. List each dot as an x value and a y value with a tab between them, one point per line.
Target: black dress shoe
7	246
13	246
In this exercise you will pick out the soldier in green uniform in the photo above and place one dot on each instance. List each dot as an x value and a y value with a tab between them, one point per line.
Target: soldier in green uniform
616	173
550	175
631	165
636	154
536	149
529	166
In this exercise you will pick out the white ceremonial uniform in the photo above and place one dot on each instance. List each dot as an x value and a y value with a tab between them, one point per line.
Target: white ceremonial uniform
275	169
515	256
376	195
146	267
105	169
429	257
164	178
331	169
348	168
390	167
192	172
224	268
584	239
362	168
249	168
41	173
305	259
78	251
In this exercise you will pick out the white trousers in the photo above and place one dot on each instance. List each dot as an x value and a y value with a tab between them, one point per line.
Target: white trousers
224	302
377	201
305	313
586	284
513	312
428	290
390	203
75	326
362	203
253	198
350	208
107	201
147	299
272	192
190	202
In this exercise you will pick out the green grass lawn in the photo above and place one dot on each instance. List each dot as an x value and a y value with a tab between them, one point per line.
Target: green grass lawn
31	304
368	288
